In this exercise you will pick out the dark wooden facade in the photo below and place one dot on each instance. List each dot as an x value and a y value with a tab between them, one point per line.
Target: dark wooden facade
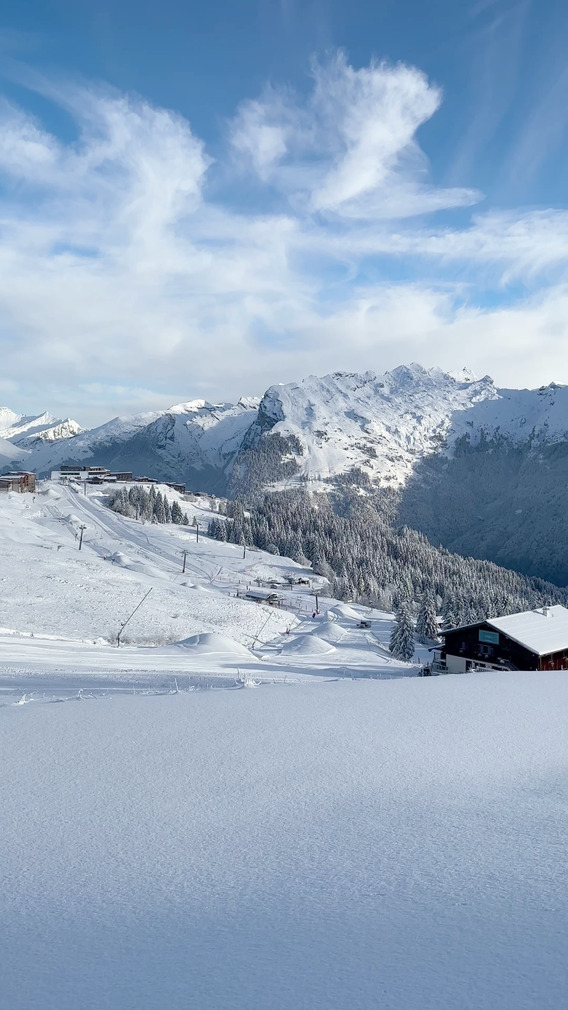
467	644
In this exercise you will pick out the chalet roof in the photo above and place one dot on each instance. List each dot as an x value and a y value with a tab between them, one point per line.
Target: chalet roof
263	594
540	631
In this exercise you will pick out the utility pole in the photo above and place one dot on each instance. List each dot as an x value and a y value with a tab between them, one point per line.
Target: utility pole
197	532
185	553
257	636
122	626
317	602
244	552
82	528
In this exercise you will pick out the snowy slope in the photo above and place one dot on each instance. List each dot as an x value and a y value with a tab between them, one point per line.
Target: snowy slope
8	453
380	424
25	431
334	846
534	416
61	607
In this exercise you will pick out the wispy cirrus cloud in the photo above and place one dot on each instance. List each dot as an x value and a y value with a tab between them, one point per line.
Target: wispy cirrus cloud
129	259
350	147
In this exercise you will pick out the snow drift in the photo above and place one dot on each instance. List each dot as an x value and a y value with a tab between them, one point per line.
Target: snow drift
308	645
210	643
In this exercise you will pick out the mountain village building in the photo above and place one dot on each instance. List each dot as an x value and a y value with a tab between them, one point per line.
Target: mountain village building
92	474
18	480
101	475
532	640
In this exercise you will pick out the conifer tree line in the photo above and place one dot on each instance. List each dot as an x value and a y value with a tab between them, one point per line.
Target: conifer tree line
367	560
150	506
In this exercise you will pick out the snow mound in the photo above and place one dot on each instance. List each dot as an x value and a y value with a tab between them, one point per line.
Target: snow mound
344	610
330	631
209	643
308	645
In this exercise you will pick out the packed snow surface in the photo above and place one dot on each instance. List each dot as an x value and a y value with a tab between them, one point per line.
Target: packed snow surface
334	839
330	846
344	610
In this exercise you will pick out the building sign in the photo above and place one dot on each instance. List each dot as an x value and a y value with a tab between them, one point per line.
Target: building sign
489	636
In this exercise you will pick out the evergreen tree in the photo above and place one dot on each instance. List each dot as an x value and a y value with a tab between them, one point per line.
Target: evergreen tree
449	619
402	635
177	512
158	513
426	622
351	539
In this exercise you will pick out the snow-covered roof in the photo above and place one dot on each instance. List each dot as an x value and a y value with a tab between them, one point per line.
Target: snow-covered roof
540	631
264	594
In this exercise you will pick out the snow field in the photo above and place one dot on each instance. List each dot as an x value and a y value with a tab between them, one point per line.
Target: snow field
347	845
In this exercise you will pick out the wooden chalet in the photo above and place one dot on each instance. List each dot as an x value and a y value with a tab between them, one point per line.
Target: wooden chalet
532	640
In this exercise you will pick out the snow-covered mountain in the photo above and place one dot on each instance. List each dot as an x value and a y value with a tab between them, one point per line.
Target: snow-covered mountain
194	442
480	469
315	430
380	424
20	434
25	430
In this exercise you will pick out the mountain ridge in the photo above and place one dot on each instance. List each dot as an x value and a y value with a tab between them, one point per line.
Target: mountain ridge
479	469
382	424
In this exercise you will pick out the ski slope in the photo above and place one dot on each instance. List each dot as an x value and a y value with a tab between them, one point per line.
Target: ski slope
62	608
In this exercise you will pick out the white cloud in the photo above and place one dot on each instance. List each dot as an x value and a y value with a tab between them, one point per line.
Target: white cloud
129	261
349	148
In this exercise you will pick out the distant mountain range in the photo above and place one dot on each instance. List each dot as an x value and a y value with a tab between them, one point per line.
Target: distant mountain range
481	470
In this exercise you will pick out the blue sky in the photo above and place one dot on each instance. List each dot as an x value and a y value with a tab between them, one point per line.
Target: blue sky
200	200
